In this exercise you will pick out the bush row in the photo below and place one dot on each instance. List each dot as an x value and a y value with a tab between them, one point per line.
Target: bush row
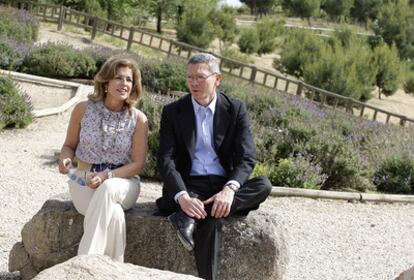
298	144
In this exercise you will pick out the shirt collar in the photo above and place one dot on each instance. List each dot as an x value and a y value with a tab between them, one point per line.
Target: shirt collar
211	106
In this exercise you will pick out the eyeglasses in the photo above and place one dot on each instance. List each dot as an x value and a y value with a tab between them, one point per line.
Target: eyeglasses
74	177
200	78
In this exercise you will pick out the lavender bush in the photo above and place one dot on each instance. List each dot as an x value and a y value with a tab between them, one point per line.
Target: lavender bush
12	53
19	24
15	108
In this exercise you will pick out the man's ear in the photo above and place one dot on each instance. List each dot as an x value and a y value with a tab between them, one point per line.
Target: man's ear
218	79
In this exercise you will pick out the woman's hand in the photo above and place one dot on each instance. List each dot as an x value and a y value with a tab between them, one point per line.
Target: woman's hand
64	165
94	180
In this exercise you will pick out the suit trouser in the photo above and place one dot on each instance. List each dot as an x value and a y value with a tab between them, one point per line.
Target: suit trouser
103	208
207	232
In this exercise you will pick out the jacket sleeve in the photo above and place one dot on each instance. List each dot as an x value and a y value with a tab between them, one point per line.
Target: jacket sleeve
244	155
167	153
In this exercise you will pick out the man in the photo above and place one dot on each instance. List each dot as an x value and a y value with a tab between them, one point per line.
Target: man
205	158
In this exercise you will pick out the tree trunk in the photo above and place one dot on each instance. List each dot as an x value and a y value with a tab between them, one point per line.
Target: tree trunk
159	19
379	93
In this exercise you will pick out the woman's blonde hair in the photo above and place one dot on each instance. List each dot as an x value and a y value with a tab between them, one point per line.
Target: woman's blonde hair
108	72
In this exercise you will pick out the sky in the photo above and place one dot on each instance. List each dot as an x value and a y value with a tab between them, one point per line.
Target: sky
233	3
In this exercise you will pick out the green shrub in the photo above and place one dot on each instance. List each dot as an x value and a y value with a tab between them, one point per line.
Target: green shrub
297	172
59	61
163	76
101	54
409	84
342	164
151	105
19	24
15	108
268	30
195	28
249	40
235	54
12	53
396	175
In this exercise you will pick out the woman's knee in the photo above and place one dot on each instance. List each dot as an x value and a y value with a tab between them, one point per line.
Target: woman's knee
108	188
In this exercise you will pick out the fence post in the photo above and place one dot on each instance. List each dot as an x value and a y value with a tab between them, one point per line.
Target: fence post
130	38
350	106
61	17
299	89
403	120
94	28
170	49
253	75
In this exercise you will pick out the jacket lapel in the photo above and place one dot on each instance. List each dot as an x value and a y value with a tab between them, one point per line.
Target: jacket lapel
221	120
186	121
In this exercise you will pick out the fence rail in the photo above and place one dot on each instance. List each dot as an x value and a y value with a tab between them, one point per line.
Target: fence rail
131	35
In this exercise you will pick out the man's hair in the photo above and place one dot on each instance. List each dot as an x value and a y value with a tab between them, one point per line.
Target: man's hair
210	60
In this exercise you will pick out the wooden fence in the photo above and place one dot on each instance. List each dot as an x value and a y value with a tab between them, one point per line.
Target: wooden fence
131	35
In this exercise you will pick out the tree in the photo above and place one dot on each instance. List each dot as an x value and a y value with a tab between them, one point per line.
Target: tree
365	10
226	27
195	28
387	62
336	9
260	7
302	8
396	24
268	30
249	40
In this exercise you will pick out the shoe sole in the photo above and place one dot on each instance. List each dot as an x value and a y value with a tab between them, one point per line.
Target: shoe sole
186	245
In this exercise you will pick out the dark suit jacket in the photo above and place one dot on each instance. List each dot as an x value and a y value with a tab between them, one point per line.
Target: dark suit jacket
233	141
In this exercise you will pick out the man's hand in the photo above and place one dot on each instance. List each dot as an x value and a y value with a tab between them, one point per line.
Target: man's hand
193	207
222	202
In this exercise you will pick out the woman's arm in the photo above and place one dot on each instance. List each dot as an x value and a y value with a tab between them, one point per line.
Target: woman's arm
67	151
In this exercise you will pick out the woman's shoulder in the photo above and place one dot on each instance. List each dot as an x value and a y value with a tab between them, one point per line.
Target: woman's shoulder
141	117
80	108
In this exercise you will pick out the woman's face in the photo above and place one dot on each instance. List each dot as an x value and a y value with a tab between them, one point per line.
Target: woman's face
119	87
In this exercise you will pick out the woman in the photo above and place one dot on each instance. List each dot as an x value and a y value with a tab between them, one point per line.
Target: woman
108	136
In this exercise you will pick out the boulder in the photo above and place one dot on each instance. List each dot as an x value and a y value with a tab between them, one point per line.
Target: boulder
406	275
252	247
91	267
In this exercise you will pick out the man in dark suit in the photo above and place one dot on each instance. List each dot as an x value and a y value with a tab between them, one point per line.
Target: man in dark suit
205	158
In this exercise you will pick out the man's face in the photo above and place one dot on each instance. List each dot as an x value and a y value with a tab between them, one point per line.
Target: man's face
202	82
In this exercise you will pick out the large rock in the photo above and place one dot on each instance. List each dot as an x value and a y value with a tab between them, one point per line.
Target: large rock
92	267
406	275
252	247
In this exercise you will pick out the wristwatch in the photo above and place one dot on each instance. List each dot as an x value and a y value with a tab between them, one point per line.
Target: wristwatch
232	186
110	174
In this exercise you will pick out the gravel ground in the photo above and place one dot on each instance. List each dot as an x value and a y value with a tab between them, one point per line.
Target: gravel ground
327	239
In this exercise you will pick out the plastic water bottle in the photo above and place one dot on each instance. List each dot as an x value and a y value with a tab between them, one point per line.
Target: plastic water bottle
72	176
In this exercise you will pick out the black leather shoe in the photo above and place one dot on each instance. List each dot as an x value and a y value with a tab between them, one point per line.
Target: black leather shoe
185	228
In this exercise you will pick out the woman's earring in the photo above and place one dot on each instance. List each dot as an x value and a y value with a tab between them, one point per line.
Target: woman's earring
106	90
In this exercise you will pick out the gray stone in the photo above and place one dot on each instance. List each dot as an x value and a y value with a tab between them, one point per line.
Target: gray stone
406	275
92	267
252	247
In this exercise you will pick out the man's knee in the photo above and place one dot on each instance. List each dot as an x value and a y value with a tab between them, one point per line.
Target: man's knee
263	184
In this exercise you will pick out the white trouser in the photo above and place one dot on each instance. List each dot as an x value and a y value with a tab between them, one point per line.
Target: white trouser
103	208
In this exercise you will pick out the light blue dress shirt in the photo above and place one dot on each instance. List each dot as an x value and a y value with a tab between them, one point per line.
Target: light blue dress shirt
205	159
